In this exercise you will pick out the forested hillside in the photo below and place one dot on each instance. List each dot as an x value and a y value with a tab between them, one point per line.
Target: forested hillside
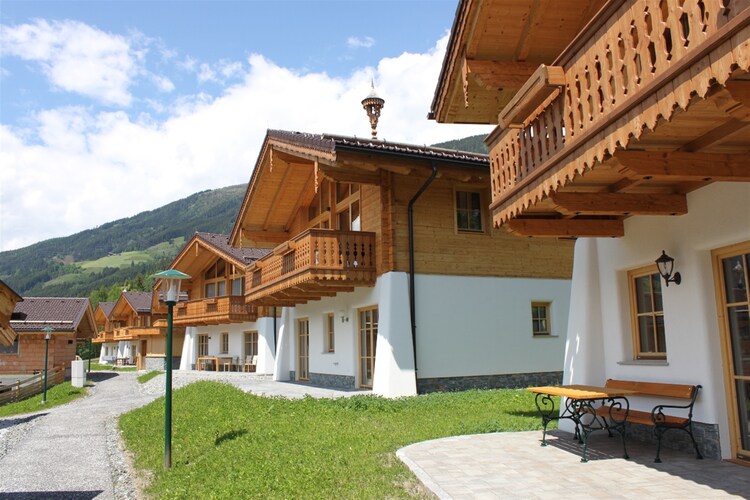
475	144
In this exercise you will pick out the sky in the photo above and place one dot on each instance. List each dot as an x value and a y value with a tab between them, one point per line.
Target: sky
110	108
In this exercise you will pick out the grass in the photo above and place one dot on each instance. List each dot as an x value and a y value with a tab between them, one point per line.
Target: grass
97	367
57	395
229	444
142	379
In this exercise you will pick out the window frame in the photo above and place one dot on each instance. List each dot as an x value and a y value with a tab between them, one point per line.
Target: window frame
250	343
224	347
5	350
639	354
202	339
482	211
547	305
330	333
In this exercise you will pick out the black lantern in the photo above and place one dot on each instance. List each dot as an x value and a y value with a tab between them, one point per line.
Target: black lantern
665	263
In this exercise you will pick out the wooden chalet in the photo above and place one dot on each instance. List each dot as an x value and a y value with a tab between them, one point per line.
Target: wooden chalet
338	215
219	322
8	300
71	320
140	332
625	123
105	334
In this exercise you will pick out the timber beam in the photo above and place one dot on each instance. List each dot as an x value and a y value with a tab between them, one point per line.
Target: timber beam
685	166
620	203
495	75
564	228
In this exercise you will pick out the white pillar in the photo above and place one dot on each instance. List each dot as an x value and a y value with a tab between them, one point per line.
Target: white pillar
394	354
266	361
188	357
281	364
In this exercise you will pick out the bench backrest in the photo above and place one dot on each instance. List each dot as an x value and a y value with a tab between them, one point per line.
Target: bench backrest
681	391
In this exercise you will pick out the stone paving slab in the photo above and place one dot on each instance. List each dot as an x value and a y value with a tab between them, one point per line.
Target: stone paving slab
514	465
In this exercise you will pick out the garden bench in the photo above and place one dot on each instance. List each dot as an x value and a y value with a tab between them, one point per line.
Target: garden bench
678	416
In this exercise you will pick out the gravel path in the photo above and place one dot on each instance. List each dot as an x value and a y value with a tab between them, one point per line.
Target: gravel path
74	451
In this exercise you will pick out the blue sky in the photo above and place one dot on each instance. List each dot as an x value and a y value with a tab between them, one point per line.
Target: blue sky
110	108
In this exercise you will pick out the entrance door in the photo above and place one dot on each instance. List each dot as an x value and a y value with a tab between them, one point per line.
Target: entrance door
368	338
303	349
733	270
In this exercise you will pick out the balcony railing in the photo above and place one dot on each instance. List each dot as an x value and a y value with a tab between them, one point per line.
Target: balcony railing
214	311
316	263
633	66
103	336
135	332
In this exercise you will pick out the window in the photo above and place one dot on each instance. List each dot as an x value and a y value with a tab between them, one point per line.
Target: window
330	322
202	345
647	313
469	211
224	342
215	276
10	349
540	324
251	344
238	286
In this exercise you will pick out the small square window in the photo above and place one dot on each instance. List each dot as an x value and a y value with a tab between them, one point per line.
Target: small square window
469	211
540	323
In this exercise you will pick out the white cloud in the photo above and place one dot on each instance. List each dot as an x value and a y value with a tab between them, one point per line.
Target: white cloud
163	83
76	168
206	74
356	42
76	57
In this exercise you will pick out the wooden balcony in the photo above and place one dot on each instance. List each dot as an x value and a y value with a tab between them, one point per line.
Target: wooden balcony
102	337
638	65
317	263
214	311
137	332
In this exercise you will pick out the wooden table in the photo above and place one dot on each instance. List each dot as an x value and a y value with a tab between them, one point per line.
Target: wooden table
581	404
215	360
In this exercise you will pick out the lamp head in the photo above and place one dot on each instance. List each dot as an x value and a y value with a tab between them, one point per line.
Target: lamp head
170	284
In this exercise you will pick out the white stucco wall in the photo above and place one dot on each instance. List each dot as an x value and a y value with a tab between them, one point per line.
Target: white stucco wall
718	216
482	326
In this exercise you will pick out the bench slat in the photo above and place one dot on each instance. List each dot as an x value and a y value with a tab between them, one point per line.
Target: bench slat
680	391
640	417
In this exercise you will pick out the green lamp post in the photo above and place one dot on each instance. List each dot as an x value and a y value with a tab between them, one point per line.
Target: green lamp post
170	286
47	336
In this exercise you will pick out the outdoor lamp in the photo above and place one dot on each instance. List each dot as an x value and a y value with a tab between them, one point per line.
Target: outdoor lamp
170	284
665	263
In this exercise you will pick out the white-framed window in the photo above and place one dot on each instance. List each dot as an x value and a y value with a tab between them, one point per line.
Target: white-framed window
540	318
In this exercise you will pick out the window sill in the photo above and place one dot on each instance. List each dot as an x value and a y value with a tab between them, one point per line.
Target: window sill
644	362
544	336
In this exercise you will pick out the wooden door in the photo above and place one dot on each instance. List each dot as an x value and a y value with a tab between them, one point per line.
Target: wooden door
303	349
368	338
732	267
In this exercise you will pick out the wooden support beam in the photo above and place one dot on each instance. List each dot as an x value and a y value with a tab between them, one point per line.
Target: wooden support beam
546	81
719	134
683	166
621	203
561	228
498	75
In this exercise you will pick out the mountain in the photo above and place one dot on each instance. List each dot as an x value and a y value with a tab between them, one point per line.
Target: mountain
101	261
118	251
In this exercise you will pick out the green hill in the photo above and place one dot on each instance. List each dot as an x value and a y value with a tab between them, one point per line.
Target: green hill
119	251
475	144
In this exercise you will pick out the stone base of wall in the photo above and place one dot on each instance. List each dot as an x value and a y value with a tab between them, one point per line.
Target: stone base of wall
157	363
500	381
332	381
707	436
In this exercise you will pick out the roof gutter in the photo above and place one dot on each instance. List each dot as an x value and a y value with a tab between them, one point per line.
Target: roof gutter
412	293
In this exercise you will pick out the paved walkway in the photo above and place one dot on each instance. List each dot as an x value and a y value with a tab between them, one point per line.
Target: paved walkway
513	465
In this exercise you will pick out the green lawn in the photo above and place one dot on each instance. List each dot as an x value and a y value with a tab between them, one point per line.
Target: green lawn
229	444
57	395
96	367
142	379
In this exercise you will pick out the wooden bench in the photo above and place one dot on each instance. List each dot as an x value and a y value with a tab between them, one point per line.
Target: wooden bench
679	416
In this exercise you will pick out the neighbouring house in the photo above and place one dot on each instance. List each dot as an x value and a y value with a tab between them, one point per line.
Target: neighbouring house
626	124
388	273
8	300
141	332
105	334
222	331
69	320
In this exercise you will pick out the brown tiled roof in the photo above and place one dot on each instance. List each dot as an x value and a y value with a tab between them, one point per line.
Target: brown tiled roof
221	243
328	143
106	307
61	313
139	301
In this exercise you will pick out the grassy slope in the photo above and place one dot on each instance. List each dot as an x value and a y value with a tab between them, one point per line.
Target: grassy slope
229	444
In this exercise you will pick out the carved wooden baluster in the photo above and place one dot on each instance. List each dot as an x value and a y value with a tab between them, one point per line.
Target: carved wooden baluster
355	262
348	254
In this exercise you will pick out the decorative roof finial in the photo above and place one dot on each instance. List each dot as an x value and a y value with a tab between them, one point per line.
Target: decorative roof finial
373	104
